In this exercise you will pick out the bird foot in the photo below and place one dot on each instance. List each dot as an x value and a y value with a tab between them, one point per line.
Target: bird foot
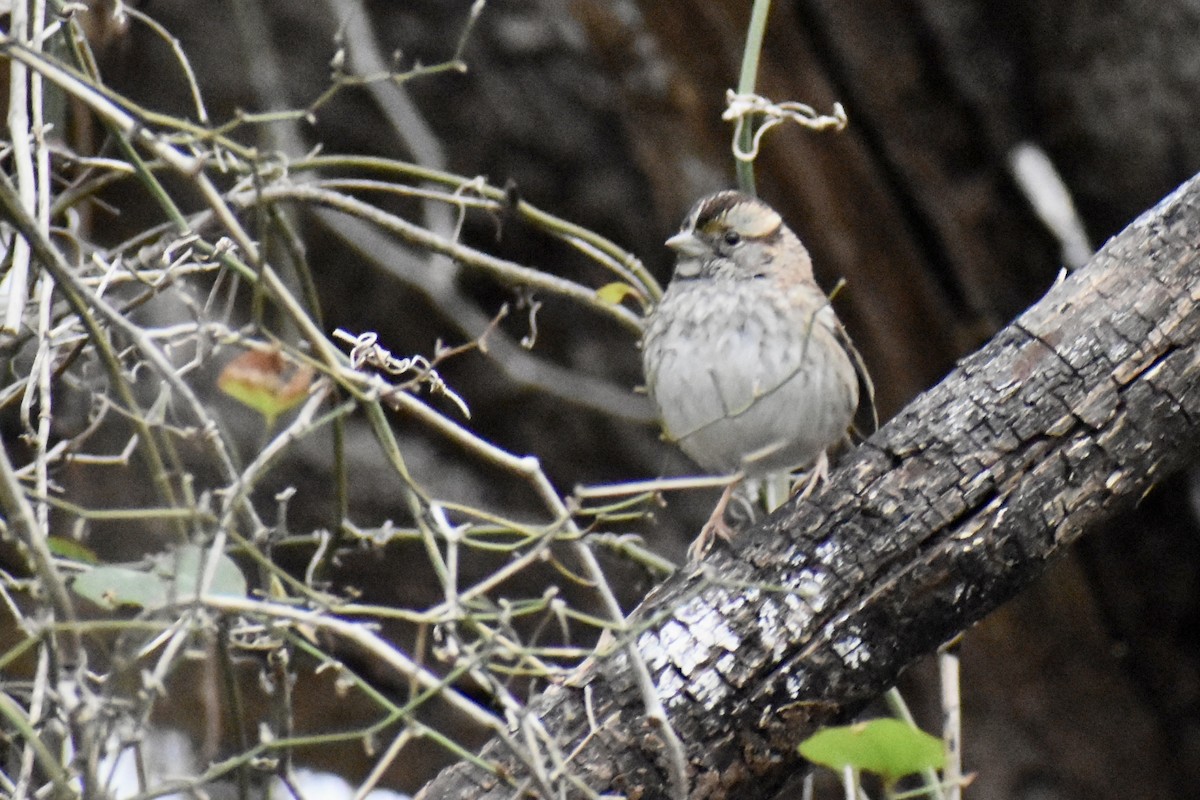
716	527
808	482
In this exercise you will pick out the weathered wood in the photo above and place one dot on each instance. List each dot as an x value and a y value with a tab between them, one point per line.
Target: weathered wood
1068	415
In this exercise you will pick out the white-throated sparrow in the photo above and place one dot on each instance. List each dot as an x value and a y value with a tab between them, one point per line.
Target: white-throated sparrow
749	367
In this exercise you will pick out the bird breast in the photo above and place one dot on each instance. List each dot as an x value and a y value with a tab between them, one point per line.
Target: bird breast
748	377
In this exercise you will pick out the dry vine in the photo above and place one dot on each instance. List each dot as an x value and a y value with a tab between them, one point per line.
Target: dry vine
110	350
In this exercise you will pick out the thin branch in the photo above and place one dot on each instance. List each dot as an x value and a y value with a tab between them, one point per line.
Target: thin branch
504	271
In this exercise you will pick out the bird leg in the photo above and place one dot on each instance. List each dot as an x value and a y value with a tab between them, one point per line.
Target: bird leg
716	526
816	474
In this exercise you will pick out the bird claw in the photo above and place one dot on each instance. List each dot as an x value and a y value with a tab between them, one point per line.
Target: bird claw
716	527
818	474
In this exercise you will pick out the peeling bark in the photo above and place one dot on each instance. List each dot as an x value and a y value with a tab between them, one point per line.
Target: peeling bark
1068	415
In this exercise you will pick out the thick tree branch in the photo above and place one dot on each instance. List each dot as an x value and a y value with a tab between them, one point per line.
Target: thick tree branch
1069	414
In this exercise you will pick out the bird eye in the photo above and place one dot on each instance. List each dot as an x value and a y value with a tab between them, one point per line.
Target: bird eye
732	238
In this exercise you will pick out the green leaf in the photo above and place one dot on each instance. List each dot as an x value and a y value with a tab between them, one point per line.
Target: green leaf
265	381
184	566
113	586
888	747
614	294
168	577
71	549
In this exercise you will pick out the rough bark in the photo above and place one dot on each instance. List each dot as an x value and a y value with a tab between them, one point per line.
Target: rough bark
1068	415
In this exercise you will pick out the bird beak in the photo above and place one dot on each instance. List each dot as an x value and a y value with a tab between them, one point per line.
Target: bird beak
687	245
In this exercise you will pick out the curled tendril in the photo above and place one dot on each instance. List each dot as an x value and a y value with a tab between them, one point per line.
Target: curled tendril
365	350
745	107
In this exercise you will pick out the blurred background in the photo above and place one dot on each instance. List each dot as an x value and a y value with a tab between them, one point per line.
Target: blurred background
608	113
